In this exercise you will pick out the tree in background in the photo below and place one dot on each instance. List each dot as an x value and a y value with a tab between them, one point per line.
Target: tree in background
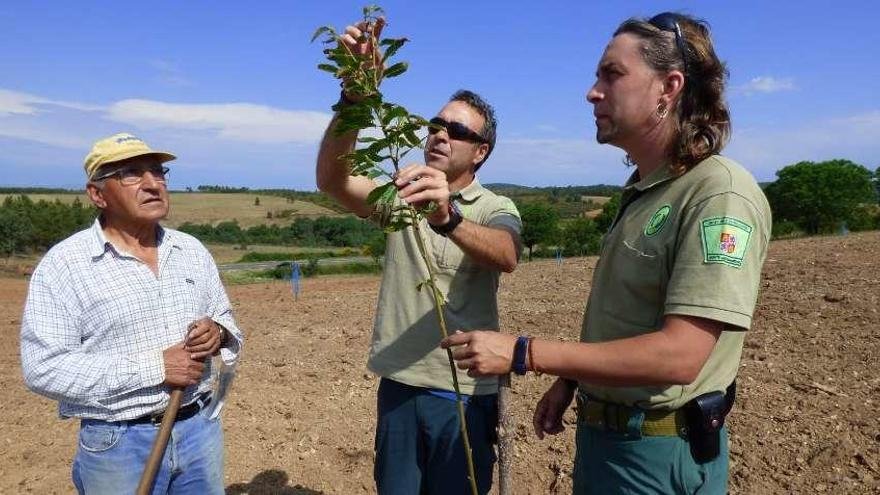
36	226
818	197
540	224
581	237
877	182
609	211
375	247
15	230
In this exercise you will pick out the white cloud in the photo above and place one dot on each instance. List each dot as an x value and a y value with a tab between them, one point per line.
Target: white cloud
233	121
18	103
767	84
555	162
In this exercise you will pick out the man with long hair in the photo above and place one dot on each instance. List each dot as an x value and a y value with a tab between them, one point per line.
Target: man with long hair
675	286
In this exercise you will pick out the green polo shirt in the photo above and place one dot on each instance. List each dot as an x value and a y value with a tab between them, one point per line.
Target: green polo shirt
406	334
689	245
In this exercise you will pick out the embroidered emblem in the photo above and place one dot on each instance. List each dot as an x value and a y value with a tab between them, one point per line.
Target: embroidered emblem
657	221
728	243
725	240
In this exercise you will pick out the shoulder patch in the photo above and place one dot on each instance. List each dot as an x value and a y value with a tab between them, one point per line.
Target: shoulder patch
657	221
725	240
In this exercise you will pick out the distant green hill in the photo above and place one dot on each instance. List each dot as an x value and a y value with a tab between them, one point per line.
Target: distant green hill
569	201
515	189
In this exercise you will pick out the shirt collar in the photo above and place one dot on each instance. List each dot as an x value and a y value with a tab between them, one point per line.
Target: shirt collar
662	174
470	192
100	244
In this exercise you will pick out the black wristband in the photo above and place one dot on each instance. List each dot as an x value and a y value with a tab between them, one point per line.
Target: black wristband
572	384
455	219
519	355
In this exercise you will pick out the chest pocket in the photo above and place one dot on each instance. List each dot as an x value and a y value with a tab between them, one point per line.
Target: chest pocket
635	295
450	257
187	288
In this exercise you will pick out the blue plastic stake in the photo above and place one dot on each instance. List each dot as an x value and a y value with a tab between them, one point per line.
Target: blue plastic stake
294	279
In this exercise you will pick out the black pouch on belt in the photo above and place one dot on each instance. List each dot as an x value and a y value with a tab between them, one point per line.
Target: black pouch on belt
705	416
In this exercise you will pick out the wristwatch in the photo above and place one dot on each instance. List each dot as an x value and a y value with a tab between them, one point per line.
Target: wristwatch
455	218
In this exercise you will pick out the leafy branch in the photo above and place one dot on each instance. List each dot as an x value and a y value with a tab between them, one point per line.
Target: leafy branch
361	75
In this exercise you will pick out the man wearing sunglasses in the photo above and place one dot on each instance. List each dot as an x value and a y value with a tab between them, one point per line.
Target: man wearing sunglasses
675	286
120	314
472	237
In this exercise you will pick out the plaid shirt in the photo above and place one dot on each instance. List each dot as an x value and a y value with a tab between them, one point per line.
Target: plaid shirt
97	320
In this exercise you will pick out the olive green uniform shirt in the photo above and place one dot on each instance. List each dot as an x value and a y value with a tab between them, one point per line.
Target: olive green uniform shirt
406	333
690	245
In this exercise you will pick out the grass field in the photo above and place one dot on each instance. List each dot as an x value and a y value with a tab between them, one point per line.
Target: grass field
214	208
228	253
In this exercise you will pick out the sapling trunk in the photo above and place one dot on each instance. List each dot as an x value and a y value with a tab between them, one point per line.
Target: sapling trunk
361	76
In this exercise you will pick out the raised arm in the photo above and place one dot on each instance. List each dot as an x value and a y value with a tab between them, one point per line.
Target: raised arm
332	173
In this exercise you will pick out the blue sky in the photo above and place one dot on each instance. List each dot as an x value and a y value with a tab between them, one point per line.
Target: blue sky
232	88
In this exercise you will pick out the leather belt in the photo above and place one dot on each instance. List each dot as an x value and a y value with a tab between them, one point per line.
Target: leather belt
183	413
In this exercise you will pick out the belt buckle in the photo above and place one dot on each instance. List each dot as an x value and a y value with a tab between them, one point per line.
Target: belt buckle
156	419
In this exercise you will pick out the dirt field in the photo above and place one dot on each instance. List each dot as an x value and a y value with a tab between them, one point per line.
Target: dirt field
300	418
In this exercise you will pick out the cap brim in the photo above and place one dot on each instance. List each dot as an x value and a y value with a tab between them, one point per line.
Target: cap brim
162	155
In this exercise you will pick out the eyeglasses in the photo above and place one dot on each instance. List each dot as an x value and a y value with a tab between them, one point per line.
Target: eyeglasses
456	130
667	21
130	176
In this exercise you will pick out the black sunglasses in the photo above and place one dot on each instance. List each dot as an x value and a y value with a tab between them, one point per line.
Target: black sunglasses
456	130
667	21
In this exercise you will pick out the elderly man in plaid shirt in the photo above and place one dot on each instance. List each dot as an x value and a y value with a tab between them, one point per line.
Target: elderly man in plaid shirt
118	315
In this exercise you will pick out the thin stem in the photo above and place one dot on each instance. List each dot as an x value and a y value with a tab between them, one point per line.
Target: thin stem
440	307
394	148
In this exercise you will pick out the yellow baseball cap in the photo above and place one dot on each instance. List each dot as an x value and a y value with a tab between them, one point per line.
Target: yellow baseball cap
119	147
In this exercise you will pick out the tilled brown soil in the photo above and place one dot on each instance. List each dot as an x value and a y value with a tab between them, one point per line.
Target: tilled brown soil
300	416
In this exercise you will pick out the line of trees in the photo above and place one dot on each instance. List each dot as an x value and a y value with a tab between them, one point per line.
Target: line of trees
807	198
305	232
35	226
581	236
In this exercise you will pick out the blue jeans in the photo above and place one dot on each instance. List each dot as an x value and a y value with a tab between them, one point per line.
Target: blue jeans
419	448
111	457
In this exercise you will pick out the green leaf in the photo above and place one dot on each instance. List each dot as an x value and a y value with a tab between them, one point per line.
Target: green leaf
396	225
393	45
392	111
413	138
373	10
376	172
321	30
389	194
328	68
380	192
396	69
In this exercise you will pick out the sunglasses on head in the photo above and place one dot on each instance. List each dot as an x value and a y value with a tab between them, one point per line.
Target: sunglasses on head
456	130
667	21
